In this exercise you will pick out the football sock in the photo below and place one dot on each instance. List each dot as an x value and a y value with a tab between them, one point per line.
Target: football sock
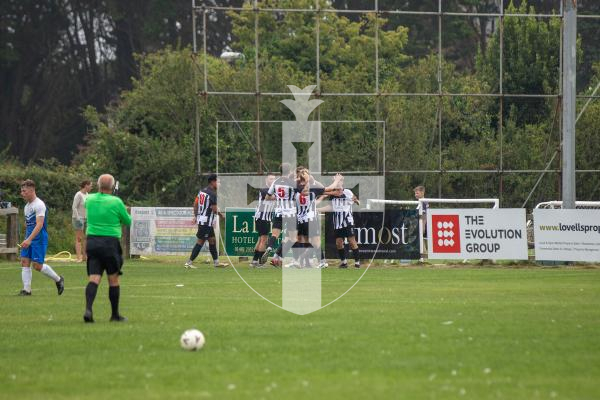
49	272
272	241
114	292
195	252
256	255
322	254
356	256
90	295
307	254
260	254
213	251
279	250
342	254
297	249
318	253
26	278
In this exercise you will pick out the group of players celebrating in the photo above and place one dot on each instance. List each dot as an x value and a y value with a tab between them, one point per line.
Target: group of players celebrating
290	203
287	203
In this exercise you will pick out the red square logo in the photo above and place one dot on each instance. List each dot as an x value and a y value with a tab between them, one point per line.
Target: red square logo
445	233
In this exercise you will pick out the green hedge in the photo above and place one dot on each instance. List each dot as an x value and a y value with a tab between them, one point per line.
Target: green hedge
55	184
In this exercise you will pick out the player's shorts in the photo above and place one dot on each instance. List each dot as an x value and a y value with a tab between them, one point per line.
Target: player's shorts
78	224
36	252
205	232
263	227
304	228
288	222
345	232
104	253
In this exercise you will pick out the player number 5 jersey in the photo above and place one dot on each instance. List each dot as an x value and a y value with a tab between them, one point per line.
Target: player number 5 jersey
284	190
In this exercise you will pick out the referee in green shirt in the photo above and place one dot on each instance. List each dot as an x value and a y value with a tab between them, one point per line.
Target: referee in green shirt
105	215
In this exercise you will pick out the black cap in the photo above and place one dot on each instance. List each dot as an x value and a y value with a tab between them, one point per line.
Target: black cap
212	177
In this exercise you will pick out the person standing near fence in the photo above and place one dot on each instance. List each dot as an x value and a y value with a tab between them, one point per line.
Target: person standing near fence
105	215
79	219
420	194
33	248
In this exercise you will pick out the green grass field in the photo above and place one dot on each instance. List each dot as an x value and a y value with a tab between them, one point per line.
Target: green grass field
410	333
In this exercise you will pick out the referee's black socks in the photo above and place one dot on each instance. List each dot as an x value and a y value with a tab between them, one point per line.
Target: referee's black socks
90	295
114	292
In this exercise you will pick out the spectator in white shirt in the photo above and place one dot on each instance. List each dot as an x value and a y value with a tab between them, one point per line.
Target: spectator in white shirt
79	219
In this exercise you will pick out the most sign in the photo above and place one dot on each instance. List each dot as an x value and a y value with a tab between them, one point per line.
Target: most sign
477	234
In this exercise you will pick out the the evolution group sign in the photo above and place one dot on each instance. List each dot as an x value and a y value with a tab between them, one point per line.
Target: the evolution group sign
477	234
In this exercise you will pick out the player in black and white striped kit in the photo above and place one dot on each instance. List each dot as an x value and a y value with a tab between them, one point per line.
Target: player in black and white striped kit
310	193
343	221
282	190
205	214
263	216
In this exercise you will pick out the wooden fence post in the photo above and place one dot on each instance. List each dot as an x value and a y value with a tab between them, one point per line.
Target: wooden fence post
12	232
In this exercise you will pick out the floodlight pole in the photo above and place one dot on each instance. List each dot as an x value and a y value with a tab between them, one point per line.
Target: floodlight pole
196	94
568	109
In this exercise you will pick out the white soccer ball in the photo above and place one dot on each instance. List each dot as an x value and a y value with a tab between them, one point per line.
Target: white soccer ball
192	340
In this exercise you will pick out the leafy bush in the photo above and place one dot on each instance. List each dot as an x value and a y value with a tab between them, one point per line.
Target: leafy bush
56	184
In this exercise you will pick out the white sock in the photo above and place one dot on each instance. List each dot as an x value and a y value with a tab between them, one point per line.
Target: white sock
216	262
49	272
26	278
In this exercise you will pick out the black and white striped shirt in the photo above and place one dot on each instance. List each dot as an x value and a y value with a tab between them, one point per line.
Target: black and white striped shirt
284	190
264	209
205	199
306	204
342	209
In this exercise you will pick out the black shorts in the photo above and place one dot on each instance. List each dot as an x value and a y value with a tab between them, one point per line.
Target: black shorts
205	232
104	254
304	228
288	223
344	232
263	227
